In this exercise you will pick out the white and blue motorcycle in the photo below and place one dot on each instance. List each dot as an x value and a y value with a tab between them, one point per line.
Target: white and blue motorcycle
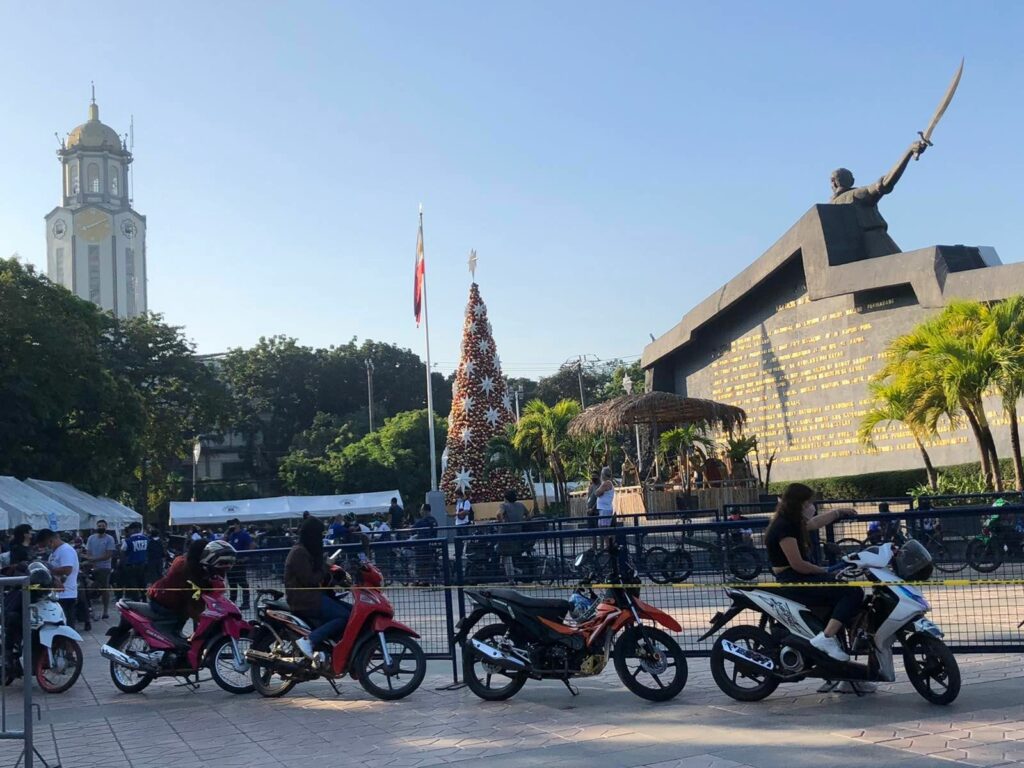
749	662
56	647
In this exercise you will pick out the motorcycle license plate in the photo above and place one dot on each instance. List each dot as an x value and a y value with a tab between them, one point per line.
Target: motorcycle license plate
747	654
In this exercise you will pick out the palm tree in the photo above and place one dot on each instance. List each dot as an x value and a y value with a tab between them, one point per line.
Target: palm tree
543	430
951	358
894	403
502	453
685	442
1007	319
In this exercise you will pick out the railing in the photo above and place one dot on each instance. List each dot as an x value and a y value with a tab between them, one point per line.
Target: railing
8	586
975	590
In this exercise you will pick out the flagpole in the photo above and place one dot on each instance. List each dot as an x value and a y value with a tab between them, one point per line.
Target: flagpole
430	389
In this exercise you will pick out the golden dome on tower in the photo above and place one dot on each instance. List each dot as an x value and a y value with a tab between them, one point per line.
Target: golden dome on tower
92	134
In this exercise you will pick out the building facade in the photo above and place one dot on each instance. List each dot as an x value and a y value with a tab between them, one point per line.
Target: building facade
95	241
795	338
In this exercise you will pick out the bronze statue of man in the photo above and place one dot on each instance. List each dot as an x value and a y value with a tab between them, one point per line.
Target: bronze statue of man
876	236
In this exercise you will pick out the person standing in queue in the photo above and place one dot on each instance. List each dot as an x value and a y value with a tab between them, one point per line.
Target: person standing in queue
512	514
238	577
64	564
100	548
134	556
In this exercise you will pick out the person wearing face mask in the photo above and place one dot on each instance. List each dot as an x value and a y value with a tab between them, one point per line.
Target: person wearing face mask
787	541
100	548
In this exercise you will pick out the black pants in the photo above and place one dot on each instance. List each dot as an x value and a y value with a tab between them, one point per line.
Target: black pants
844	602
133	581
70	607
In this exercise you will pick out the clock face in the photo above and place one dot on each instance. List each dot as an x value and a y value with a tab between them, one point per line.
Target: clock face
128	228
59	228
92	225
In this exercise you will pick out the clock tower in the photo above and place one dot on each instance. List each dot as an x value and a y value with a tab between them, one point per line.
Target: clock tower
95	241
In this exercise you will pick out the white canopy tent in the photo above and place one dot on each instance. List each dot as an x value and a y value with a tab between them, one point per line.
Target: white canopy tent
280	508
89	508
21	503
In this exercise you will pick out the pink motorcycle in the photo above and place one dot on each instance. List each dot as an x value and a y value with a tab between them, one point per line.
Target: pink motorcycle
145	646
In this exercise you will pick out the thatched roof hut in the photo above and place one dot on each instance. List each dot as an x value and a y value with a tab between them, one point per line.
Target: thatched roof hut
662	409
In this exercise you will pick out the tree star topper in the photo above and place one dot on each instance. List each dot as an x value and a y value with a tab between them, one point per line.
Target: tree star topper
472	265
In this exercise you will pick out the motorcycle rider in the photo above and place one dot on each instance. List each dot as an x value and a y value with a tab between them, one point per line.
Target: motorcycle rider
787	542
174	598
305	573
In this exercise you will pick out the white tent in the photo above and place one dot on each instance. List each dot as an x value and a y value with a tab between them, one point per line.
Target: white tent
22	503
280	507
88	508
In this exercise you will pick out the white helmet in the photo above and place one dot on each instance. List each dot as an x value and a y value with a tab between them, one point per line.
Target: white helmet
218	556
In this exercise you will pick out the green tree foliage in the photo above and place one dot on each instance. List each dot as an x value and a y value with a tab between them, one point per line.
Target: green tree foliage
543	432
280	387
394	456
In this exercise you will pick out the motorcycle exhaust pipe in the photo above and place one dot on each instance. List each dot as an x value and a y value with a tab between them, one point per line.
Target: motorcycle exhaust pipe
116	656
498	658
272	662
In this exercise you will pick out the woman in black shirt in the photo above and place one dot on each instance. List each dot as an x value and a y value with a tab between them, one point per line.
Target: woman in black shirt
21	543
787	542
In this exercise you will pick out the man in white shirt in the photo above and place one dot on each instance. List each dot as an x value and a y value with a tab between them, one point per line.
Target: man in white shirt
63	563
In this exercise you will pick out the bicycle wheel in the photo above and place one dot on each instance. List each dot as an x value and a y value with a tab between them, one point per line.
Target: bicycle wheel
656	563
680	565
950	555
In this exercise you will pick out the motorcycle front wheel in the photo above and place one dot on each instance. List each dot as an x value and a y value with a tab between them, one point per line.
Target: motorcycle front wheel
61	674
130	680
650	654
742	684
394	680
984	556
483	678
265	681
221	659
932	668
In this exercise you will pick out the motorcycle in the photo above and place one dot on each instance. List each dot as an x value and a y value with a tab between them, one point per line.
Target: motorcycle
997	542
533	640
56	647
749	662
374	649
145	646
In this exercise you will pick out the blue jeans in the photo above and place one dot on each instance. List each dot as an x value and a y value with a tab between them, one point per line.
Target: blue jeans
333	617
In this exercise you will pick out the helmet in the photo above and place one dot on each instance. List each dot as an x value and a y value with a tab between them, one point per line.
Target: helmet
913	562
40	579
218	556
1000	502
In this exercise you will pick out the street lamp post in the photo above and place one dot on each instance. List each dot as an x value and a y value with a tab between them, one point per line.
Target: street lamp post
197	451
517	391
369	388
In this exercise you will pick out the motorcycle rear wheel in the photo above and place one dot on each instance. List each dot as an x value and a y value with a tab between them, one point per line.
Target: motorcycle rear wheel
402	649
265	681
68	655
129	680
932	668
743	561
728	681
482	687
221	661
668	659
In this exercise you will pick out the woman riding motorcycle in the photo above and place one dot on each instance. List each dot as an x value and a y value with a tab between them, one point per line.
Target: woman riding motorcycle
305	573
787	542
173	597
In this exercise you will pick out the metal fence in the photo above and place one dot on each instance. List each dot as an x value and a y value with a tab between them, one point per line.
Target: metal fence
14	621
976	590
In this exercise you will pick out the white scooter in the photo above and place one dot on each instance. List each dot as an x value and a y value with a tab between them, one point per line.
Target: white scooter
56	647
749	662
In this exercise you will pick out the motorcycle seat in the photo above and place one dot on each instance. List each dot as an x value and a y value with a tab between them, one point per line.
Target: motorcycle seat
278	605
142	609
538	603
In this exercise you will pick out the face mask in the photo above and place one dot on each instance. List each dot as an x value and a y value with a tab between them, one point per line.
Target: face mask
101	531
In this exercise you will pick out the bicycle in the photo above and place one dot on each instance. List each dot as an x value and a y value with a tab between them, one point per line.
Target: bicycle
737	555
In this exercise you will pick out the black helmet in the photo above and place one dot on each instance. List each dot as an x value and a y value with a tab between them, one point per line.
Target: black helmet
218	556
913	562
40	580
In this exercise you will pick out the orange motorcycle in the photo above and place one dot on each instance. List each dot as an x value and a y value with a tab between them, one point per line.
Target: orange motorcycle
532	639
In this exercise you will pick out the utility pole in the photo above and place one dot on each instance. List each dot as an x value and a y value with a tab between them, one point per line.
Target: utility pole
369	389
518	391
579	372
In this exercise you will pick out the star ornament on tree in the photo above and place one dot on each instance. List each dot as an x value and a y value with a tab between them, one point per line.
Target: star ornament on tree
487	384
470	367
506	400
467	435
479	309
492	416
484	345
467	404
463	479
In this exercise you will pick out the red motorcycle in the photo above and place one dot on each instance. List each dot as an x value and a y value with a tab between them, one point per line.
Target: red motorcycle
379	652
145	646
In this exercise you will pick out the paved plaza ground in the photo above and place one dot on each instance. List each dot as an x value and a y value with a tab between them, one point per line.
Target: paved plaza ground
605	726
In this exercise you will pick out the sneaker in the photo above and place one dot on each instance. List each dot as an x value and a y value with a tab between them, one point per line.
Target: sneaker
303	645
829	646
861	686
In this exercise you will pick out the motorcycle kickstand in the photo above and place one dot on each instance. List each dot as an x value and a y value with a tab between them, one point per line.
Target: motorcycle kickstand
334	685
192	685
572	689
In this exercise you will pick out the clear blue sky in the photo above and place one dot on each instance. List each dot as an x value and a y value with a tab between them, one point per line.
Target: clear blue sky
612	163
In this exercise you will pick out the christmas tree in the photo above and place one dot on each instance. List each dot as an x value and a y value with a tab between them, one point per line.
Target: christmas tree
481	409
